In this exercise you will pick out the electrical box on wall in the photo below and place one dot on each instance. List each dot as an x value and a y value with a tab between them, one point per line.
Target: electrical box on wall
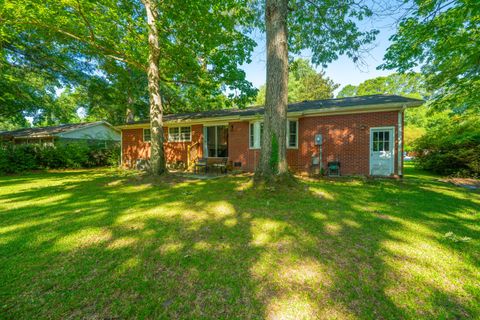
318	139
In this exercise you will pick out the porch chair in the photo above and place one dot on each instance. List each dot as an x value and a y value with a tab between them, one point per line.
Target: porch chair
201	163
222	166
333	169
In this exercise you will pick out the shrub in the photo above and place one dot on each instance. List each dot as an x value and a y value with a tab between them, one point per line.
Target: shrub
19	158
24	157
452	148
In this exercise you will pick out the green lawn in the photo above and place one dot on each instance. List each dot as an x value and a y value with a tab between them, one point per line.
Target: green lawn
107	244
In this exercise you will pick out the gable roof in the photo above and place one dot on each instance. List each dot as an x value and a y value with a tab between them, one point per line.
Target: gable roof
364	101
44	132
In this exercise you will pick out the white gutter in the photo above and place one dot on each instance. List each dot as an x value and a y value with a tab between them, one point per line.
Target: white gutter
400	140
121	148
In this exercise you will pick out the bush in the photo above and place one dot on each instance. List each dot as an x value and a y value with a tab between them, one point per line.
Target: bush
452	148
24	157
18	158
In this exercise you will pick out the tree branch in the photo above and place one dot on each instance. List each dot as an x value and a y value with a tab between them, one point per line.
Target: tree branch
87	23
108	52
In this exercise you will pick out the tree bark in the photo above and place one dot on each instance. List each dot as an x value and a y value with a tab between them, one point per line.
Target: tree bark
157	154
273	153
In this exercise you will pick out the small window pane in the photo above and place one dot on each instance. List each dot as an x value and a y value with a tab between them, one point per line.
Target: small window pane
261	133
292	134
147	135
173	134
375	146
185	133
386	146
256	132
252	135
387	136
380	136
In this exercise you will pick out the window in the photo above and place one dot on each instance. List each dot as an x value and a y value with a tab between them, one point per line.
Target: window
179	134
292	133
215	141
147	135
381	141
256	132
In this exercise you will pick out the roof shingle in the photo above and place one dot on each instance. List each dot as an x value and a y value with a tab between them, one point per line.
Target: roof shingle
46	131
378	99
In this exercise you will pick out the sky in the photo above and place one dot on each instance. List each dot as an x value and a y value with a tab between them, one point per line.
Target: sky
342	71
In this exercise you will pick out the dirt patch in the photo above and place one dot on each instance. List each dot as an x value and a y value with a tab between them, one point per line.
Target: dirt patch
468	183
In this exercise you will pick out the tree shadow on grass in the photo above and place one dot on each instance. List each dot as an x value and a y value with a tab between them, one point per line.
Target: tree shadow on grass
109	246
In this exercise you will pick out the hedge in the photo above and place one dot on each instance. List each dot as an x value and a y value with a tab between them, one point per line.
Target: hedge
452	148
25	157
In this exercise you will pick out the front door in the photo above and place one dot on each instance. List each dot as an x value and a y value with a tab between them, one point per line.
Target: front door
381	151
215	141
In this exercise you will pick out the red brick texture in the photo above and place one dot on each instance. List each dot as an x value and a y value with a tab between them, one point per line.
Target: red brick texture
133	146
346	138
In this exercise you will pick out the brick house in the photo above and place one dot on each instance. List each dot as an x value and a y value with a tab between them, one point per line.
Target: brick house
364	134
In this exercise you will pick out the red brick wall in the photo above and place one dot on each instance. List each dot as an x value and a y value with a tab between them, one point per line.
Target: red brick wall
133	146
346	138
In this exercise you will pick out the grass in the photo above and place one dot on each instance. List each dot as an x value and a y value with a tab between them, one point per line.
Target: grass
104	244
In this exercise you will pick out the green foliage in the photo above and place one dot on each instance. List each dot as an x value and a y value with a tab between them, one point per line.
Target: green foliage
304	83
18	158
408	85
99	50
411	134
451	147
347	91
442	38
25	157
328	28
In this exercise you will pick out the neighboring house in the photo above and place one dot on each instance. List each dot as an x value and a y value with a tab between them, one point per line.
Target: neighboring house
365	134
100	131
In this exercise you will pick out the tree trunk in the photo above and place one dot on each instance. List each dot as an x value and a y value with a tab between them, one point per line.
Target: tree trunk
157	154
273	153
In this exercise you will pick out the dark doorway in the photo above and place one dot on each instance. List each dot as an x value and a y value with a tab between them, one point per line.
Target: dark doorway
215	142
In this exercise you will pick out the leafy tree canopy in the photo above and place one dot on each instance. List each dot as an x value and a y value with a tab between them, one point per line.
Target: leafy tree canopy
304	83
99	50
442	37
409	85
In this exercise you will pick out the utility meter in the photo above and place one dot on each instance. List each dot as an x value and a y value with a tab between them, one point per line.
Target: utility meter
318	139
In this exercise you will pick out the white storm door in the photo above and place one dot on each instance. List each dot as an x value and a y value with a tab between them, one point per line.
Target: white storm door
382	145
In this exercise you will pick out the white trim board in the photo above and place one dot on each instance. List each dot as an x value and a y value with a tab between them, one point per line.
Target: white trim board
370	147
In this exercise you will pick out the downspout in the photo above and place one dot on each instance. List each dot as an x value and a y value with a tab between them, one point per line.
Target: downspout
121	148
400	142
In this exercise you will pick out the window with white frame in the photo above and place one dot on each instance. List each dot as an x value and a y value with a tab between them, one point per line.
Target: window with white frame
147	136
256	131
179	134
292	134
